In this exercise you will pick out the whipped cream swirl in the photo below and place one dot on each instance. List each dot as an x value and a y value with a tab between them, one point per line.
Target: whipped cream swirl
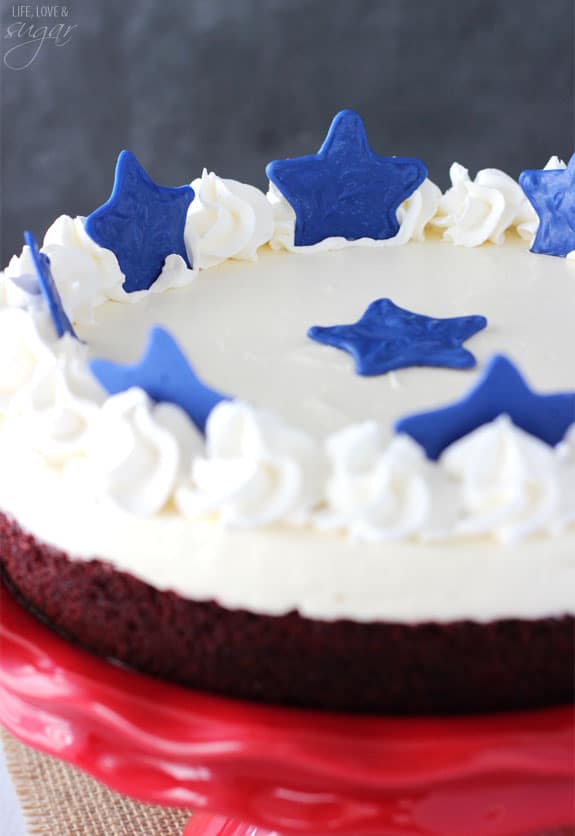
416	212
377	492
48	398
509	482
472	212
138	451
226	219
413	216
23	351
86	274
53	413
256	470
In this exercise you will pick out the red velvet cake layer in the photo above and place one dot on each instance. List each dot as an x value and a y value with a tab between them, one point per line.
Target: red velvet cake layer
377	667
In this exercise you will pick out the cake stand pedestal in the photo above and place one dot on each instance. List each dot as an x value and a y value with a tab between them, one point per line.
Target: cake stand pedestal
285	771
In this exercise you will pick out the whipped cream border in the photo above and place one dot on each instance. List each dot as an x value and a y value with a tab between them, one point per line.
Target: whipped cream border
278	569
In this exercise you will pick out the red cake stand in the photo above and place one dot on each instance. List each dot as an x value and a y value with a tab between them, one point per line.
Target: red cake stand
281	770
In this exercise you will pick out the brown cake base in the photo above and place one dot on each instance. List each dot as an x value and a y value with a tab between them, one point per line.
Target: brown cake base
459	667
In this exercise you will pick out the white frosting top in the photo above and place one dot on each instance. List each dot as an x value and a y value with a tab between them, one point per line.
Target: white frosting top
336	517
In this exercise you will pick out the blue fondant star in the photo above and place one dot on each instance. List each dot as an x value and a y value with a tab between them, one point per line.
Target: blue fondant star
501	390
48	287
141	223
552	194
166	376
345	189
388	337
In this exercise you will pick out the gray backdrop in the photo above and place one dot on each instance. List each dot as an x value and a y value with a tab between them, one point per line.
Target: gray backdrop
232	84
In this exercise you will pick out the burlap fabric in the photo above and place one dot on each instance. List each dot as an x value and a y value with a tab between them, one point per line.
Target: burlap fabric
59	800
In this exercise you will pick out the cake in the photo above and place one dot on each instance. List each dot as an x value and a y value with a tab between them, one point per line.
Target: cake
313	447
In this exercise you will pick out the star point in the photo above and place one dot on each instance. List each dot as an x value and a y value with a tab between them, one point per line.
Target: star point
141	222
552	194
501	390
165	375
388	337
346	190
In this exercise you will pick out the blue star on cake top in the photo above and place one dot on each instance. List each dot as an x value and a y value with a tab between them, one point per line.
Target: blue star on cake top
501	390
48	287
552	194
346	189
165	375
388	337
141	223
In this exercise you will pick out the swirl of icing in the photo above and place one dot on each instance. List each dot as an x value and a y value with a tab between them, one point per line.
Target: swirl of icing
137	451
508	481
256	469
416	212
472	212
226	219
23	350
175	273
379	493
86	274
413	216
53	413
